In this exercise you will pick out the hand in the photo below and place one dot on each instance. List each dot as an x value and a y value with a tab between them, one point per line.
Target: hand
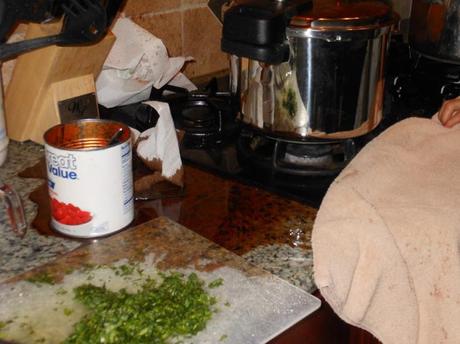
449	113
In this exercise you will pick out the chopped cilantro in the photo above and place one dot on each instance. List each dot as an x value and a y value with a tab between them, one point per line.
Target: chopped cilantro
42	278
61	291
157	313
4	324
216	283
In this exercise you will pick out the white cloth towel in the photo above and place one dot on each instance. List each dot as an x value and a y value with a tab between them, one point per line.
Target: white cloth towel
386	239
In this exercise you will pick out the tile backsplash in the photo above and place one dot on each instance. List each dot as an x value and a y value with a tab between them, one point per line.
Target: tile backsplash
187	28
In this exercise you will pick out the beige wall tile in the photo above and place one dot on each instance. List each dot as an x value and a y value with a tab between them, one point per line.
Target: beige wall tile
187	27
167	27
136	7
202	33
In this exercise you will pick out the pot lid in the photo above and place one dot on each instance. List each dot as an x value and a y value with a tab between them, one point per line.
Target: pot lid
343	13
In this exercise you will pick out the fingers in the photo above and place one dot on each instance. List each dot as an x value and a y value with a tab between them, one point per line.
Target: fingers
449	113
453	120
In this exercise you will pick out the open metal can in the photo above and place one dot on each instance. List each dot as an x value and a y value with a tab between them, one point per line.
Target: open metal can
90	179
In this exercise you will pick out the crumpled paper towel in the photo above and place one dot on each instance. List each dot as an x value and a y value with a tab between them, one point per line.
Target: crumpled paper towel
158	148
137	61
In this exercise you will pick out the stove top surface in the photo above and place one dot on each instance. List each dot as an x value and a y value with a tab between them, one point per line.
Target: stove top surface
215	140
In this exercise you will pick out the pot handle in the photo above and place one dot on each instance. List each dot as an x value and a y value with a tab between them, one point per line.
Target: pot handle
15	210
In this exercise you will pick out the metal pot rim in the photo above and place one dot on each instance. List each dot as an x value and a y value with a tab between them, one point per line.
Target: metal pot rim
339	34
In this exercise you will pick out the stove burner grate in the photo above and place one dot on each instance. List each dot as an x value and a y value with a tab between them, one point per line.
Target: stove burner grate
289	158
198	117
206	120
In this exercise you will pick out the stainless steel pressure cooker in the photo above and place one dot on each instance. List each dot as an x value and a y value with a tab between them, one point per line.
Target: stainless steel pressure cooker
435	29
308	69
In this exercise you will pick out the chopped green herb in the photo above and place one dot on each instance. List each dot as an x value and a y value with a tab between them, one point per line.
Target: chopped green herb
68	311
156	314
216	283
42	278
4	324
223	337
89	266
124	270
61	291
68	271
289	103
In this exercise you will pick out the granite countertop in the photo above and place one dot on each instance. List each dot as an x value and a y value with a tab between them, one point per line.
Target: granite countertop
252	305
19	255
267	230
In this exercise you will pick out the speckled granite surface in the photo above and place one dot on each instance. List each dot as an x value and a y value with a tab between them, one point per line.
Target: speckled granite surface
292	264
267	230
19	255
253	306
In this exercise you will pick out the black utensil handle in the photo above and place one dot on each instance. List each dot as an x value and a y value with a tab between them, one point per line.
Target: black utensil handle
9	50
112	7
7	21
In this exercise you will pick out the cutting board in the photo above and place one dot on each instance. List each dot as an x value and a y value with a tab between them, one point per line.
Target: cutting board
254	305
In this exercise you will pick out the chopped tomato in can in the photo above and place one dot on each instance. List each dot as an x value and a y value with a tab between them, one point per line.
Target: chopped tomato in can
90	180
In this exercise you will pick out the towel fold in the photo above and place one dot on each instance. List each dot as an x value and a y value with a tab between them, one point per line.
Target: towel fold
386	239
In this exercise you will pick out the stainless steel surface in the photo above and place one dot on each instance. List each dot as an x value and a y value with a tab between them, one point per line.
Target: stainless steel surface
435	29
331	87
234	75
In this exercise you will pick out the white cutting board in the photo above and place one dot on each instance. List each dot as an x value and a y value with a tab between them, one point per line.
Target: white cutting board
254	306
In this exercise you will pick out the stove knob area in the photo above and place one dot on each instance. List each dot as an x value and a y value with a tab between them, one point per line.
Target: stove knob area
450	91
403	86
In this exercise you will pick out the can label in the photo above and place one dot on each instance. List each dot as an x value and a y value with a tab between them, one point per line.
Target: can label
91	191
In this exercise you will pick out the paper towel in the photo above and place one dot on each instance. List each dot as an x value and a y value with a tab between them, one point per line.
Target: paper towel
137	61
158	148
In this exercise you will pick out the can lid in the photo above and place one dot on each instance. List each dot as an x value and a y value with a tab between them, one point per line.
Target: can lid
341	15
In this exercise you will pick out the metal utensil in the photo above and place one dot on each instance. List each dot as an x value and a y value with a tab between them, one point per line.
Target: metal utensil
14	209
115	137
85	21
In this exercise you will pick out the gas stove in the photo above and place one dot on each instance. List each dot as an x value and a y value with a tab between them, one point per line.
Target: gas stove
214	138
